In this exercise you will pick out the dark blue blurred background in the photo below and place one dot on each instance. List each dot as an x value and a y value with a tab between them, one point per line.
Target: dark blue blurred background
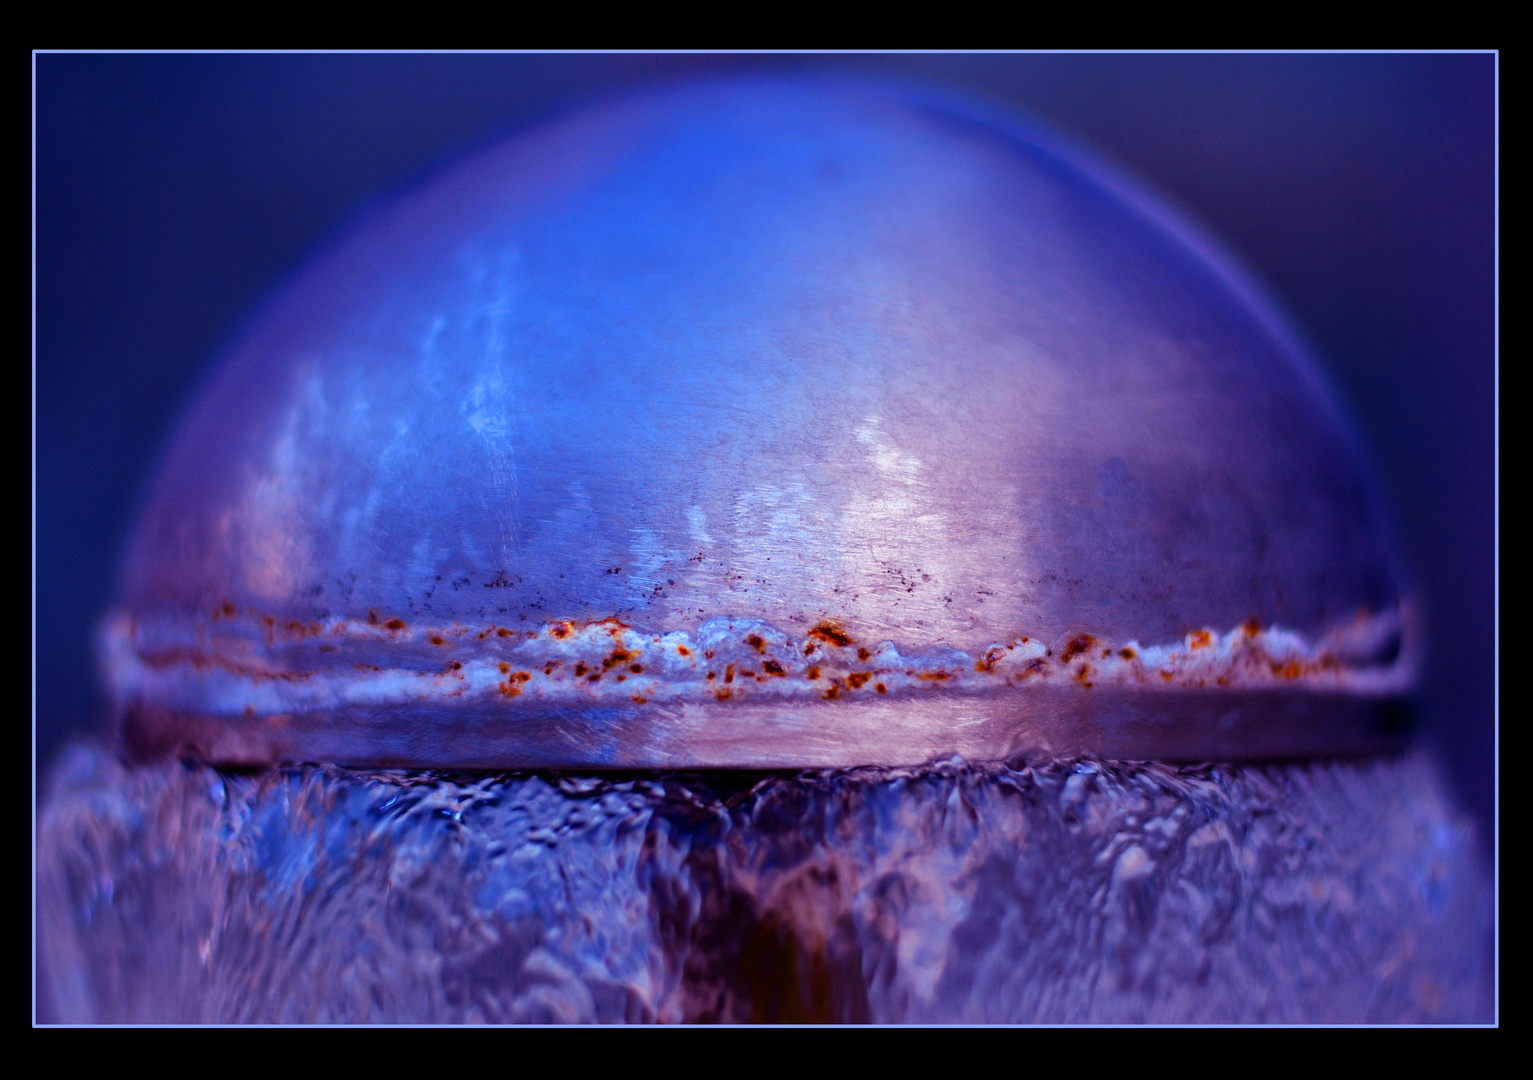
172	192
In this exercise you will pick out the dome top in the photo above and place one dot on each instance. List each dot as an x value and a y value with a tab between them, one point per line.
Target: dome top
752	404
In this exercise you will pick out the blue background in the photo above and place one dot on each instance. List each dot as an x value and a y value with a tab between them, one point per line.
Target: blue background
173	192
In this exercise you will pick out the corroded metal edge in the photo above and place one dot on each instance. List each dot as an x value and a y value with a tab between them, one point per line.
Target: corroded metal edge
1036	724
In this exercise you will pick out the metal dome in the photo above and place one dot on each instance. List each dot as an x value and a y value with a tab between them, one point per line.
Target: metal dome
761	424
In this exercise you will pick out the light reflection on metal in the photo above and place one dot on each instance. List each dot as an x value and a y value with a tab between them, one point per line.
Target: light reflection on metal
748	360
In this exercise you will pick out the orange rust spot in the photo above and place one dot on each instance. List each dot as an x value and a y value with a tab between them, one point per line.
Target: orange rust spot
580	669
637	700
1127	653
1080	676
863	654
595	678
933	676
987	662
856	678
724	694
456	665
509	690
505	669
881	688
503	632
831	634
1106	653
435	640
548	669
1222	681
812	674
729	673
755	642
1202	639
832	693
617	656
1034	666
561	630
1290	670
637	669
1078	644
772	667
1251	627
394	624
1166	675
683	650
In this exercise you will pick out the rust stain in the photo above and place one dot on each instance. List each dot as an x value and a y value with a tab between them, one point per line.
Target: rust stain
812	674
394	624
1201	640
772	667
1078	644
881	688
618	656
831	634
855	679
755	641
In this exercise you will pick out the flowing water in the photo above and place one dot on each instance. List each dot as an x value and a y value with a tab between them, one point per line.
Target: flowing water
956	892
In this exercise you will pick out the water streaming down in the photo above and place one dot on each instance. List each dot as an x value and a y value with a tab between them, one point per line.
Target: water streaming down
766	427
1068	892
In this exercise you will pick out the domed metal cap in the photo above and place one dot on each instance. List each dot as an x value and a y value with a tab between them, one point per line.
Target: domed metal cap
761	424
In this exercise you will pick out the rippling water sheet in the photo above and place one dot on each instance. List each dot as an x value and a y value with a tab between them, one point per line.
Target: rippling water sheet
1077	892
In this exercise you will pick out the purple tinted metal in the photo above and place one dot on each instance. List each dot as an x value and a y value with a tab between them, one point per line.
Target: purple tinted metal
767	425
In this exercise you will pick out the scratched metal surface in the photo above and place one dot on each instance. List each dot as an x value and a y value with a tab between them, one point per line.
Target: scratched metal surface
1074	892
867	359
782	352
